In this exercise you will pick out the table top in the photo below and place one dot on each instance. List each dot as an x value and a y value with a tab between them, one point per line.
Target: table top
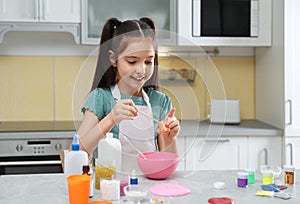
244	128
188	127
50	188
38	126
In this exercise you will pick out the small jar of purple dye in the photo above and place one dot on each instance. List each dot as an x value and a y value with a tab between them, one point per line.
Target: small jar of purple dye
242	180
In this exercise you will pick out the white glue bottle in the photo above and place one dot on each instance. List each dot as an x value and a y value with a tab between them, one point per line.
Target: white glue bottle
75	159
109	151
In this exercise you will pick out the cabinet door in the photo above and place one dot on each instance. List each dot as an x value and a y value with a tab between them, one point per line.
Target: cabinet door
181	151
60	11
40	11
292	152
265	150
291	64
96	12
19	10
216	153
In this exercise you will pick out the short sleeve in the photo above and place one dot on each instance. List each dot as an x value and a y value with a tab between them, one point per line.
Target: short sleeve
99	101
161	104
166	106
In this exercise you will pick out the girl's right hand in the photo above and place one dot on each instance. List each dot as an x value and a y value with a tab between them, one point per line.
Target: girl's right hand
124	109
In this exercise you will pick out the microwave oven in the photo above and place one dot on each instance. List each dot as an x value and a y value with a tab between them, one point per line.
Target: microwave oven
225	18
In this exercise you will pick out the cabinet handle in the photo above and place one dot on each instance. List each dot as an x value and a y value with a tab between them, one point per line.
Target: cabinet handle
217	140
290	112
291	152
26	163
266	155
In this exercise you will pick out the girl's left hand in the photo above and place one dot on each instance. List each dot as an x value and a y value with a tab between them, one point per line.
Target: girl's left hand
173	123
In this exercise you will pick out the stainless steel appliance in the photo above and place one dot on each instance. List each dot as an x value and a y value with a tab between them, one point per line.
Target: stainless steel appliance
33	147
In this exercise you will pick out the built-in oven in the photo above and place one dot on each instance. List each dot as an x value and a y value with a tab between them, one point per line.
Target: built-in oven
33	150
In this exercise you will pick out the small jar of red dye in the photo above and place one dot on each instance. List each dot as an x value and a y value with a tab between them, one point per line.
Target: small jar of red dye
123	183
242	180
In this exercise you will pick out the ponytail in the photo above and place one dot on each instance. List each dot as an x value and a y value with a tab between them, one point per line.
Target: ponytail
153	81
105	73
149	22
108	29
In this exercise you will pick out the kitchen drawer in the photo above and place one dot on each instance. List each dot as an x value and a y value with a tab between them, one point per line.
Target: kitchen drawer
216	153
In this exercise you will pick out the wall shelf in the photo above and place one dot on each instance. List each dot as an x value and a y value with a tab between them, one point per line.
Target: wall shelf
73	28
177	75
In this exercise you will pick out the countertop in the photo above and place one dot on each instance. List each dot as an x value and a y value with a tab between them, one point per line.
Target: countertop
244	128
50	188
66	129
38	126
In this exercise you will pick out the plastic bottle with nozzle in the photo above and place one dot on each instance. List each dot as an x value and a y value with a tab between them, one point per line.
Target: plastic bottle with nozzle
75	159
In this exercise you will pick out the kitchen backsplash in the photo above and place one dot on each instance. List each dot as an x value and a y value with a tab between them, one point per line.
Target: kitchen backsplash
41	88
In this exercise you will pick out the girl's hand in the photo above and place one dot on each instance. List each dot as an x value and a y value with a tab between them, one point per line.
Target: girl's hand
124	110
173	123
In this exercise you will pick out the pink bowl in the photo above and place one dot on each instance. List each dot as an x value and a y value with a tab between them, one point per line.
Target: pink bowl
157	165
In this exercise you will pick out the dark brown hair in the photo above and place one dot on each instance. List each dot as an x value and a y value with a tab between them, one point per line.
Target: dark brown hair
114	37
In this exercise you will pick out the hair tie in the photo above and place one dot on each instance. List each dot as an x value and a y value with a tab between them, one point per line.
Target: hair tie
117	23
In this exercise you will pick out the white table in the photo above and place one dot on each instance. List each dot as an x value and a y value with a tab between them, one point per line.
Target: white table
50	189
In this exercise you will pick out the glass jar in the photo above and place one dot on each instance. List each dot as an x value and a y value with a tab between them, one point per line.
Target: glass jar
289	174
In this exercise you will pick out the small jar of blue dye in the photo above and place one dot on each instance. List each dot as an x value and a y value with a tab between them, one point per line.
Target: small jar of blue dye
242	180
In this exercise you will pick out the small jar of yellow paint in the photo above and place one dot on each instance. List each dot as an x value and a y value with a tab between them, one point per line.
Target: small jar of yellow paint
267	177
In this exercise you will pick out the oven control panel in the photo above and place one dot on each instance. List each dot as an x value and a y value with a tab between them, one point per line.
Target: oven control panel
34	146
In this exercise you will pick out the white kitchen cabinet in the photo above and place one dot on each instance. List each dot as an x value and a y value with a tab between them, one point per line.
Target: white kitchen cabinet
292	152
277	74
67	11
181	151
18	10
291	70
277	71
185	23
213	153
264	150
96	12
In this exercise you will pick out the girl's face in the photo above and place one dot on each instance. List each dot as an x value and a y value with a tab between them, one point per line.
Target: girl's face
135	66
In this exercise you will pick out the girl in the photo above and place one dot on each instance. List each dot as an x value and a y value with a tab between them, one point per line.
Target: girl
126	83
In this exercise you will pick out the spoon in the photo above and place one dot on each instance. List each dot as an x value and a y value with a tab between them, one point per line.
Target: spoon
164	129
135	147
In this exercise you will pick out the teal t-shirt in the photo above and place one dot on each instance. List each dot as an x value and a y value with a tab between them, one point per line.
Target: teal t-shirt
100	101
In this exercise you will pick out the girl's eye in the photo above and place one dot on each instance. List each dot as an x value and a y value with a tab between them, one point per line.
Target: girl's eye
148	62
131	62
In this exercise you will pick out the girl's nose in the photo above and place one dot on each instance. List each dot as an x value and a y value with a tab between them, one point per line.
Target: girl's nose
141	69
